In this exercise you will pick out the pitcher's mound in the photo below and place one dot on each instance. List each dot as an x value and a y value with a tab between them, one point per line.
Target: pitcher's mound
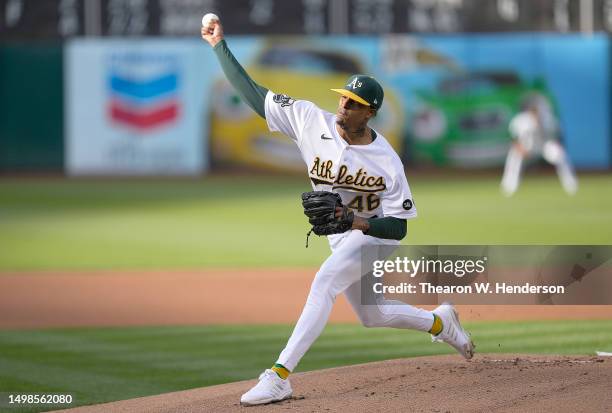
500	383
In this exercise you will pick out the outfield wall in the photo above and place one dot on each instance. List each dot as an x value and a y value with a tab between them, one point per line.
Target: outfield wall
31	107
101	106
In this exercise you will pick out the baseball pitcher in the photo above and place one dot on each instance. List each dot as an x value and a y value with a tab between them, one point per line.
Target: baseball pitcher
360	198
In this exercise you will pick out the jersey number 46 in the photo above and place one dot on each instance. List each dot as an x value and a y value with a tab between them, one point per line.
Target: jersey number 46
370	202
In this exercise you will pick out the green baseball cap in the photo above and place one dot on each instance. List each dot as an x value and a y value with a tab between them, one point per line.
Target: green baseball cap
363	89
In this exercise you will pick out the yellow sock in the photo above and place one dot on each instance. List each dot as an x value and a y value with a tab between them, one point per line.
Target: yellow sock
436	327
282	372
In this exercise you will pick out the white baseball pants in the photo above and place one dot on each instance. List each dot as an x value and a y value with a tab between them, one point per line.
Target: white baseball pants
341	273
554	154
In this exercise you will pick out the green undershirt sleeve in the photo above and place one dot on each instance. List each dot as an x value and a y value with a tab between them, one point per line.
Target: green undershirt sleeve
387	228
253	94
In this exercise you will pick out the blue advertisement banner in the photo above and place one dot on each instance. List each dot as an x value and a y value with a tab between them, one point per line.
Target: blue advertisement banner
135	108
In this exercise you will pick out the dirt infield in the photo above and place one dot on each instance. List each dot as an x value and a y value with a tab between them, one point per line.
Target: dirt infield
500	383
505	383
107	298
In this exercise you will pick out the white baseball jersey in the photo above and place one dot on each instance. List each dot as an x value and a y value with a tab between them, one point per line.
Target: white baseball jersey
530	133
369	178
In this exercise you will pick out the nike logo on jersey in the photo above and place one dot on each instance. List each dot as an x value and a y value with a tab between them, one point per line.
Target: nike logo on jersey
323	136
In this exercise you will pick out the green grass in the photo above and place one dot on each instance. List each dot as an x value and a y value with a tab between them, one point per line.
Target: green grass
53	224
98	365
242	221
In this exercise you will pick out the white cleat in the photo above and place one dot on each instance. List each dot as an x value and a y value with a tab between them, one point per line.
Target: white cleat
452	332
270	389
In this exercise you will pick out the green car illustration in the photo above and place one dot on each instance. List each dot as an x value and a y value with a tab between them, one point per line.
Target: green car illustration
464	122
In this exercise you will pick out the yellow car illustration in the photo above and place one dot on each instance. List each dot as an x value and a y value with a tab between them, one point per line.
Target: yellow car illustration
239	137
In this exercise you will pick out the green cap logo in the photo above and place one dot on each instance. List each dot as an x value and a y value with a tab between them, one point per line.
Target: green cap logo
363	89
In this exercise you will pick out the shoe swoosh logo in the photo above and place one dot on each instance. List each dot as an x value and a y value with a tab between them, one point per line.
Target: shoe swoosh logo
323	136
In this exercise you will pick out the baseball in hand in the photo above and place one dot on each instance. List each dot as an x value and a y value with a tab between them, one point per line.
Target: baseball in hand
208	19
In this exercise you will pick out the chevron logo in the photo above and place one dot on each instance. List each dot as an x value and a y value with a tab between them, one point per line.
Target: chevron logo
143	91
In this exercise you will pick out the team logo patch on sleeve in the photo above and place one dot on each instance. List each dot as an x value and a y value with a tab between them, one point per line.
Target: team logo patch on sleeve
407	204
283	100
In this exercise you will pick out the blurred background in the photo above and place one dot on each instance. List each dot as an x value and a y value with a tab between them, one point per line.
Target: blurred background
127	87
